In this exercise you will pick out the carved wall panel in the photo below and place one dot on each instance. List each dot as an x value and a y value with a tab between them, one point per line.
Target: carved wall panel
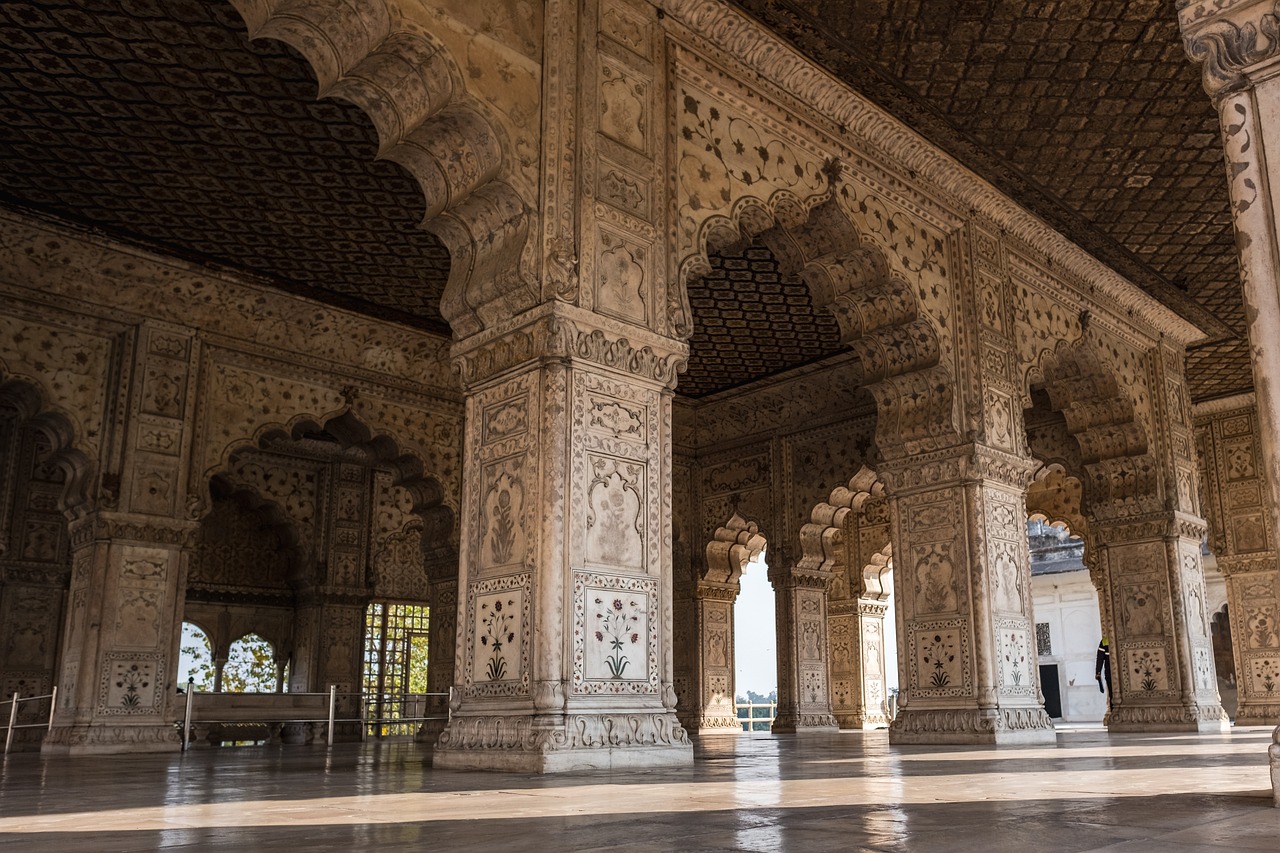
617	474
1236	501
615	635
498	636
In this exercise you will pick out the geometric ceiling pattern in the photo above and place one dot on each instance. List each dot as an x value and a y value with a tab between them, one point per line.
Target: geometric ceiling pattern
1089	113
750	321
161	123
157	121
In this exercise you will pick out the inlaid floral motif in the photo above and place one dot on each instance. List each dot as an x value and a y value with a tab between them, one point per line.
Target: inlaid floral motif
618	624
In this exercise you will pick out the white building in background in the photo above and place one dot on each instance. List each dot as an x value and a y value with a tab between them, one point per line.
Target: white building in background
1068	625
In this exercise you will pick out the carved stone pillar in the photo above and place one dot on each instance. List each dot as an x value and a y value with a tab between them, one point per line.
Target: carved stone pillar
714	594
121	635
967	659
129	562
804	689
564	658
1157	623
1236	503
714	668
856	631
1238	42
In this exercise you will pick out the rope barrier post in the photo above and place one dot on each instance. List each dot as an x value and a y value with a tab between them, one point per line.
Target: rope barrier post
13	720
186	716
53	704
364	718
333	702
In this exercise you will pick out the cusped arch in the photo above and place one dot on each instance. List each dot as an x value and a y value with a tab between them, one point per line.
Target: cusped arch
25	401
270	516
1100	415
403	78
893	340
732	546
822	539
431	498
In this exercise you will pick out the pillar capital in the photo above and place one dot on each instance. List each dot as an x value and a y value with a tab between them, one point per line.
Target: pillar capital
965	463
1236	41
559	331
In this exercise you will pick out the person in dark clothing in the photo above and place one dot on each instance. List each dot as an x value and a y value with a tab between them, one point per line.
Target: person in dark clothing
1102	670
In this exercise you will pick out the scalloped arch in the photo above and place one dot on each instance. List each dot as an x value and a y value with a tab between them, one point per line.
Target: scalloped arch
28	400
881	320
732	546
822	539
403	78
431	503
1119	470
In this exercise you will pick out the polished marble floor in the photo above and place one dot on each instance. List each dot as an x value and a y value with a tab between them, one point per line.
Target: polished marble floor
846	792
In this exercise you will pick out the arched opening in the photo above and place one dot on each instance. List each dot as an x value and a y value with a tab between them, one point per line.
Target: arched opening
1068	622
44	480
195	659
251	666
330	542
755	647
1224	658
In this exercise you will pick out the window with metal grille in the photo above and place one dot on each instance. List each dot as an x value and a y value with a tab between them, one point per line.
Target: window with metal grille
395	666
1043	644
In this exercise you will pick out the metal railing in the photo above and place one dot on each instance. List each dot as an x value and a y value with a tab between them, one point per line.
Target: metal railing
13	723
365	721
750	720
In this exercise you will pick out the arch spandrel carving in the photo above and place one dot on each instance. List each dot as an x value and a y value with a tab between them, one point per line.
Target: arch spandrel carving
470	151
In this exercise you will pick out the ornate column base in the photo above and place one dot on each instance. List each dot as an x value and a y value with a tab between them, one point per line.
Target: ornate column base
86	739
972	726
1255	713
723	725
790	724
576	742
862	722
1168	718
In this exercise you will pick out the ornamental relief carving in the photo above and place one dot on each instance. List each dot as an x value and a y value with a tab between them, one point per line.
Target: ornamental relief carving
503	514
68	365
615	496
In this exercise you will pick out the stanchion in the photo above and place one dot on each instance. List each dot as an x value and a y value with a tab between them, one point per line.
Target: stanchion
13	721
333	703
53	704
186	717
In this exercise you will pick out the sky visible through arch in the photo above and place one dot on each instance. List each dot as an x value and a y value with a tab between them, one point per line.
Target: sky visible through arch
755	634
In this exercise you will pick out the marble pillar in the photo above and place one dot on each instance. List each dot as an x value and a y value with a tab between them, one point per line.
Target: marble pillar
967	654
804	676
1238	44
564	659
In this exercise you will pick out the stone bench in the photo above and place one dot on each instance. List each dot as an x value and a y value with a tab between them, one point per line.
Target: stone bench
290	718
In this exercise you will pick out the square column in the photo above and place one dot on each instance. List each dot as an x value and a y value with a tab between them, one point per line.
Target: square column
714	664
564	613
804	679
967	658
859	695
1161	649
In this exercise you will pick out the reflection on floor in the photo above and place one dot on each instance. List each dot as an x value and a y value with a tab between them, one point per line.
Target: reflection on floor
1092	791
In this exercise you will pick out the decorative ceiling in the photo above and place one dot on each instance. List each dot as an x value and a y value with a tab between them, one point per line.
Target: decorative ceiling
157	121
750	320
1088	112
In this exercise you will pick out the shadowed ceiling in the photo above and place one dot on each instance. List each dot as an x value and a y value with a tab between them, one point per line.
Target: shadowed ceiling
1088	112
158	122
